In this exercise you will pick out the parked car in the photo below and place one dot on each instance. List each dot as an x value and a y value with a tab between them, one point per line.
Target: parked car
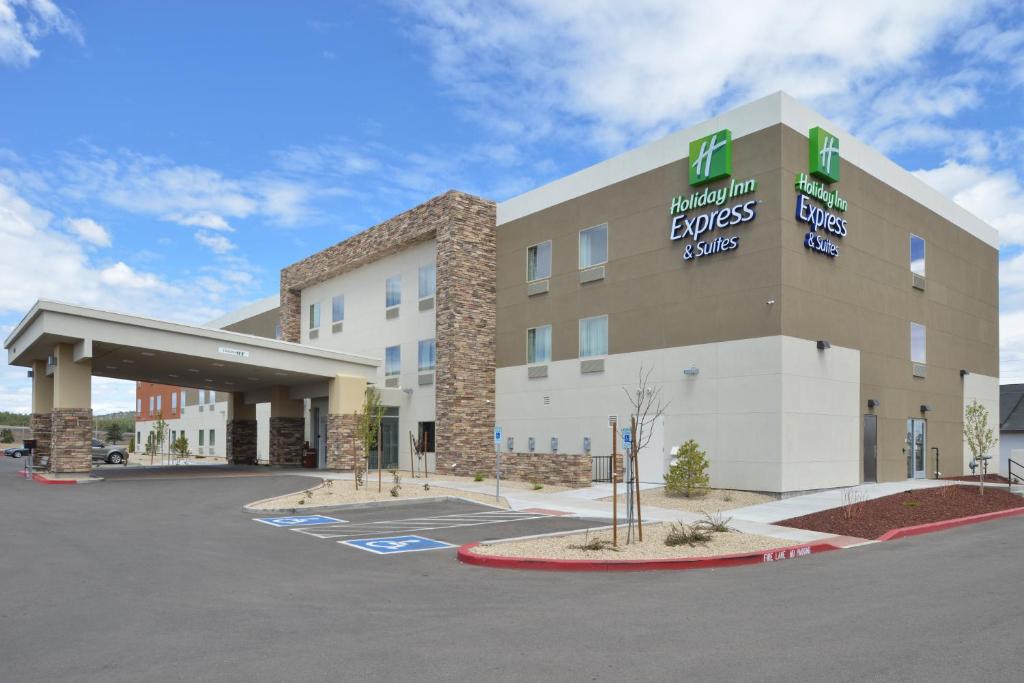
115	455
16	452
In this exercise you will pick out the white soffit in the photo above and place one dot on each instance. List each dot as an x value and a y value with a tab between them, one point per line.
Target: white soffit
749	118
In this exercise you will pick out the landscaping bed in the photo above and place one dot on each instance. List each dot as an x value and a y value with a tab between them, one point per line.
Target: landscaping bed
989	478
343	492
873	518
715	500
653	547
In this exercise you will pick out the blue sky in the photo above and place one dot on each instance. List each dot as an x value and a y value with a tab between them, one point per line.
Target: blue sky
169	158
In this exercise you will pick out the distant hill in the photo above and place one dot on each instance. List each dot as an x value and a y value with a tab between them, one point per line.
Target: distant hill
13	419
9	419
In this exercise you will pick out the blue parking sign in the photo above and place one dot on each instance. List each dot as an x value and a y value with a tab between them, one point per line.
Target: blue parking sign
304	520
393	545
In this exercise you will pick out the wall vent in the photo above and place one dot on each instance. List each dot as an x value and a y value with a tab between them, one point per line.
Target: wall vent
391	313
536	371
427	304
919	370
337	327
590	366
391	382
592	274
314	334
426	379
547	400
918	281
540	287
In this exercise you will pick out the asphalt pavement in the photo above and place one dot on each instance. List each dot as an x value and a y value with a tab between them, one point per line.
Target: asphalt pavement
170	580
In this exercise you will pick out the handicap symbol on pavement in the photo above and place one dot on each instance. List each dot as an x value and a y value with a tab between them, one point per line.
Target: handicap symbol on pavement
308	520
397	544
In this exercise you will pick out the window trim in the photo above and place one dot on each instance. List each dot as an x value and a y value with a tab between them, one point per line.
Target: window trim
551	338
550	265
579	337
579	251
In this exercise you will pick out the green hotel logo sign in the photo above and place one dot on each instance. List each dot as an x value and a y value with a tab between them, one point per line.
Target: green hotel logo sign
711	157
824	155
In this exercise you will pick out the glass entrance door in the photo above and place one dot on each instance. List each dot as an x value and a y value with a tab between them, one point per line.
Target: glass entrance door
389	441
917	446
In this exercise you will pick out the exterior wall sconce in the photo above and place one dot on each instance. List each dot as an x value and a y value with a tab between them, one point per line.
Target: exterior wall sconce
873	403
691	371
822	345
926	408
586	444
964	373
51	361
531	444
30	374
554	444
511	444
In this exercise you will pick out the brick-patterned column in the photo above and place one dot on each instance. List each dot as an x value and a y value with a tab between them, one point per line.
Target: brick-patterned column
71	440
466	320
287	440
41	426
241	442
344	449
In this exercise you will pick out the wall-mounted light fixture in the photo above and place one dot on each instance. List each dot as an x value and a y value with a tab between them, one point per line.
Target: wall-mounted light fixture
822	345
691	371
873	403
511	444
586	444
51	361
554	444
770	302
964	373
407	391
30	374
531	444
926	408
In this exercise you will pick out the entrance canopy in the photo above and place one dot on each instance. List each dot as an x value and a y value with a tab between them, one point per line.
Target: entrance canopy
143	349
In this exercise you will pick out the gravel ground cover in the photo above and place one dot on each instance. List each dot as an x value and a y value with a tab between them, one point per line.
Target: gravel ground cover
872	518
989	478
716	500
652	548
505	483
340	492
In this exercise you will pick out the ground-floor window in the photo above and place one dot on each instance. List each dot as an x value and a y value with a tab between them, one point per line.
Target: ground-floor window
212	439
426	437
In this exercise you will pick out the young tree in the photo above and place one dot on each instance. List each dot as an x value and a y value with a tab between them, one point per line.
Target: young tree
647	407
180	447
114	432
368	425
688	474
980	438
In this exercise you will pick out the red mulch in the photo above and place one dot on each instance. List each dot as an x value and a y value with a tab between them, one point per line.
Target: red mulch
872	518
995	478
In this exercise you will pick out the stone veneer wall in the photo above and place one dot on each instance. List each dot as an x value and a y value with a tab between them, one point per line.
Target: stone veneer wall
287	440
240	446
557	469
343	447
463	227
42	430
71	440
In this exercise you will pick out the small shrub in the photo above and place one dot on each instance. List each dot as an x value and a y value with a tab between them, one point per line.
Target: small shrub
302	501
727	496
394	490
479	476
328	484
911	503
537	486
715	523
688	473
6	436
851	503
687	535
595	544
426	486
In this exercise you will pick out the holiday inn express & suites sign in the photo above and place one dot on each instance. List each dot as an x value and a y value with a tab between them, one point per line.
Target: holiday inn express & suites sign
825	223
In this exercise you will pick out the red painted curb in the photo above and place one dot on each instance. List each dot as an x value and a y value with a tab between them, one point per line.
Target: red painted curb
467	556
43	480
904	532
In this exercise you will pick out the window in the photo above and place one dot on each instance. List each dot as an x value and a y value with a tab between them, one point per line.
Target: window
428	281
393	291
594	336
213	396
426	438
427	351
138	440
594	246
538	261
202	396
174	401
213	441
392	360
183	399
152	403
174	437
200	437
138	406
338	308
277	331
918	344
538	344
916	255
159	403
314	317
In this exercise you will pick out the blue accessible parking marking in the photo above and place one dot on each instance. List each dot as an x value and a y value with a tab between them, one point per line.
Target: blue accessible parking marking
307	520
397	544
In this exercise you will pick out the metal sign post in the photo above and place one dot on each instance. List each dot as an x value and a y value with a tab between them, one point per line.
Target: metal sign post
497	464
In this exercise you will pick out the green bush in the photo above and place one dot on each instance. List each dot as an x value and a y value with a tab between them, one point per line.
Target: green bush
479	476
6	436
688	473
687	535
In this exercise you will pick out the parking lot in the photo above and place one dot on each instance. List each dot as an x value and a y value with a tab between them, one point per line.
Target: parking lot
171	580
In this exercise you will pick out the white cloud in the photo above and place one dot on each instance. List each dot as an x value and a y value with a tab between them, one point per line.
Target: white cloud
122	276
203	219
219	244
24	22
996	197
615	74
89	230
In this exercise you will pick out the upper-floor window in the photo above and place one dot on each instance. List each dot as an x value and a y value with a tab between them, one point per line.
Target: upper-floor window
594	246
393	291
918	343
314	317
338	308
213	396
538	344
183	399
392	360
152	404
202	396
174	401
917	255
159	403
594	336
428	281
138	406
277	331
538	261
427	359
